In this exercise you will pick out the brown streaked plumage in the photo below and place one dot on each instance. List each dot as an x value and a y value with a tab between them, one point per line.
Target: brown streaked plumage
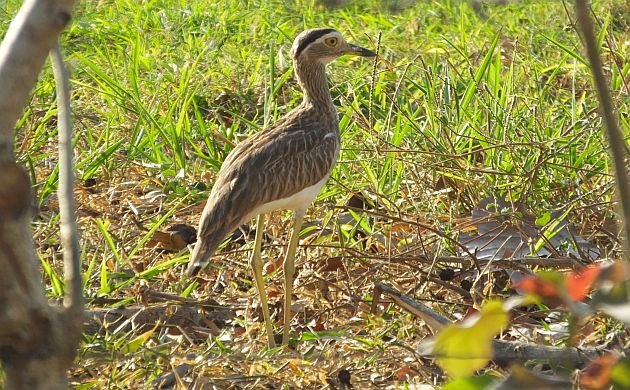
282	167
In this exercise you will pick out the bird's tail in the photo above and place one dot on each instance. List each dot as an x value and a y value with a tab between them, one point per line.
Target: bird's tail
214	225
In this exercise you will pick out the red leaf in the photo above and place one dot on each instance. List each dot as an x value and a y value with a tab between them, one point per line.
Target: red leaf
319	326
535	285
274	265
579	283
596	375
273	293
402	373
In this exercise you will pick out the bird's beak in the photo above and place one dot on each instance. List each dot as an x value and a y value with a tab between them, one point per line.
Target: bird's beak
361	51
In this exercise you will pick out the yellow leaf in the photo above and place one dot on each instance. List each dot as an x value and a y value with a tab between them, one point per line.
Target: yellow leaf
436	50
138	341
323	378
294	365
461	349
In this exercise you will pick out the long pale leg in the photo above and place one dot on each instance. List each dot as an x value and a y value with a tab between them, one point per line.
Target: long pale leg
257	266
289	270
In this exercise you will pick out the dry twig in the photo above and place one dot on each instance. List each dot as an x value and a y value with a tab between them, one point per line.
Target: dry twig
503	351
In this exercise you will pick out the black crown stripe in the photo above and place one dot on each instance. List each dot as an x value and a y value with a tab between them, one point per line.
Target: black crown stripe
312	37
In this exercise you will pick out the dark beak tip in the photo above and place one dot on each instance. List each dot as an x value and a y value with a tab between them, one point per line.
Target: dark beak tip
363	52
366	52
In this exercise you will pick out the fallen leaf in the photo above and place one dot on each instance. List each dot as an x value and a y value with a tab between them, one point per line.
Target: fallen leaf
138	341
274	265
402	373
331	264
174	239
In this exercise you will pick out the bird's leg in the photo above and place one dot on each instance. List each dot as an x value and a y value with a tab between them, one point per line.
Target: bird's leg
289	270
257	266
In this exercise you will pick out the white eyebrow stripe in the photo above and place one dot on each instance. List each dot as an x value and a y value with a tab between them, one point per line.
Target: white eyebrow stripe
331	34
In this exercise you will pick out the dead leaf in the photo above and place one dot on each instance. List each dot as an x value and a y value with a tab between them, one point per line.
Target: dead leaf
331	264
402	373
507	230
176	238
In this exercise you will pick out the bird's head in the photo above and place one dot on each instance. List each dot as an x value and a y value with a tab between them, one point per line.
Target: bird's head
324	45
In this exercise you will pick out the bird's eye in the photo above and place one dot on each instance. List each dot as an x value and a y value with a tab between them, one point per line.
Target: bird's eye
332	41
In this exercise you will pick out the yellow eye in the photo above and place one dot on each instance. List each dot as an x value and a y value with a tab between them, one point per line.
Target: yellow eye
332	41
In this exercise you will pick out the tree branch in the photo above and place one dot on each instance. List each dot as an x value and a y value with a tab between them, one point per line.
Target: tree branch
37	342
615	137
69	232
23	51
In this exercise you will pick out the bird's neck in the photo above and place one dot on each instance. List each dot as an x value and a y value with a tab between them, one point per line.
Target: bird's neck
312	78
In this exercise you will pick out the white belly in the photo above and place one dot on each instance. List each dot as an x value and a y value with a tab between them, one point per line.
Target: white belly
298	202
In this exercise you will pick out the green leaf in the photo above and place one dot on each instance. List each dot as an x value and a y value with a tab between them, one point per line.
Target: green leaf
620	375
483	68
566	49
543	219
55	281
105	288
103	226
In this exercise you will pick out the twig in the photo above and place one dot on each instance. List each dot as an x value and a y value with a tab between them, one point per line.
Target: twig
73	299
503	351
169	379
467	261
431	317
615	137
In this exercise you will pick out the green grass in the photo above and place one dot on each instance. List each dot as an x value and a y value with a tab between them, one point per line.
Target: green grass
464	104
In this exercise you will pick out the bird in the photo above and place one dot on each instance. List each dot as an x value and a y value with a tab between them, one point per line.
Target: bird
284	166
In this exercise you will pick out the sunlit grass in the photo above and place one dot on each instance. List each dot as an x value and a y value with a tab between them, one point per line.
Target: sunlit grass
465	103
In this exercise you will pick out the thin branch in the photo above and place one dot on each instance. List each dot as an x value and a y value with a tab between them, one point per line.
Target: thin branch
502	351
434	319
171	378
69	233
615	137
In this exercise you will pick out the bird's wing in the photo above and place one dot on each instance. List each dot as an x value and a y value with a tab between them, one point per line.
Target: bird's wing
275	164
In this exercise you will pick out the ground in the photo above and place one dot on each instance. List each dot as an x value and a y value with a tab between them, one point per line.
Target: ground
467	100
